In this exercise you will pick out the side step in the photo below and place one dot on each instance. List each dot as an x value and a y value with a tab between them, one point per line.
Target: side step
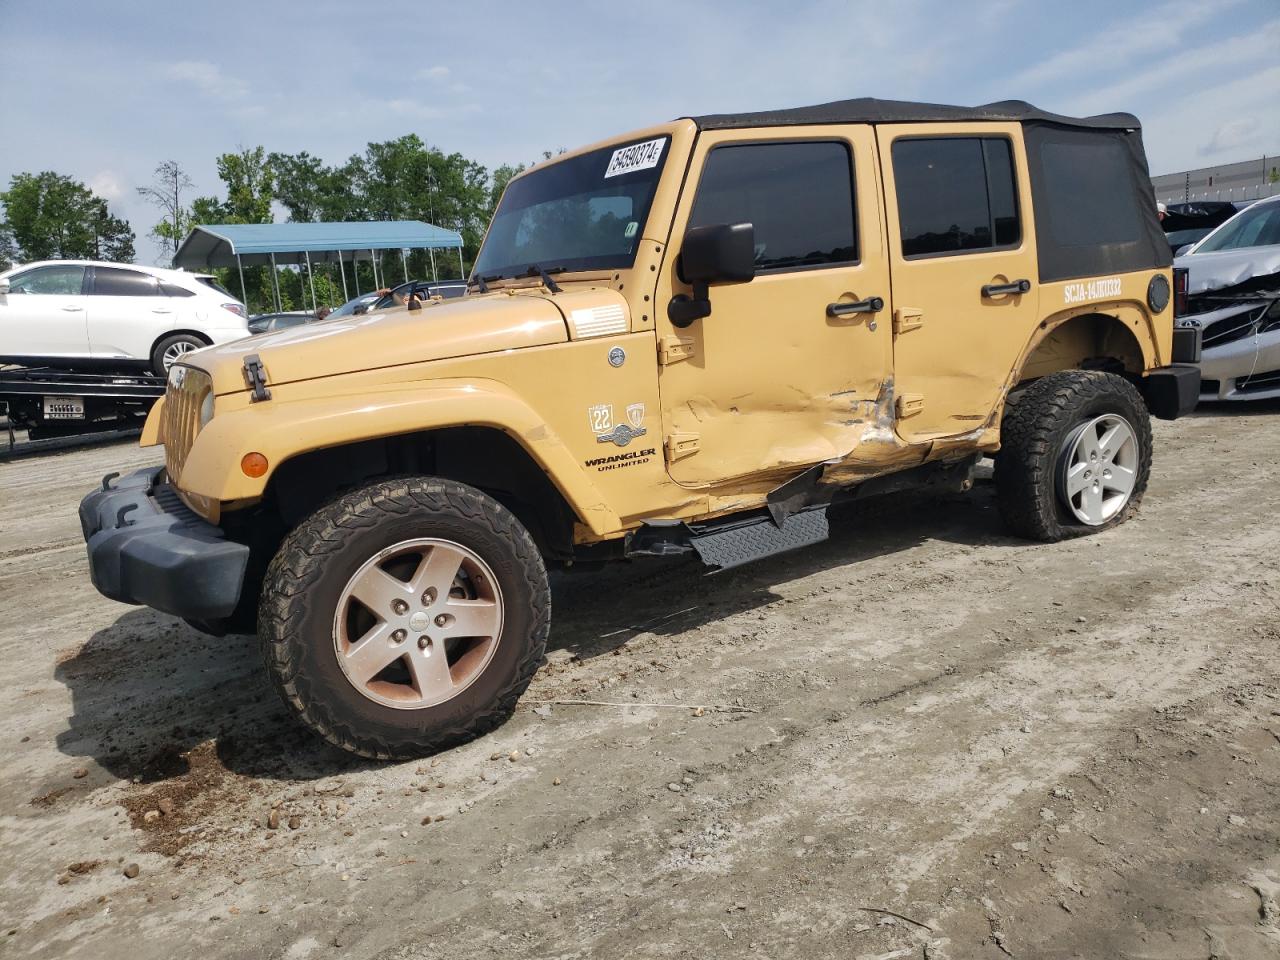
726	544
733	545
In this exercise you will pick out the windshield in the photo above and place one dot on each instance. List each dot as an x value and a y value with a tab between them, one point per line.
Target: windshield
1258	226
348	308
584	213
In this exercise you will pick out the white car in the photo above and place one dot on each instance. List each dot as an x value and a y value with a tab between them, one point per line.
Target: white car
78	313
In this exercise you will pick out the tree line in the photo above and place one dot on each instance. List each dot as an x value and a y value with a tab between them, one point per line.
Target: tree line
51	216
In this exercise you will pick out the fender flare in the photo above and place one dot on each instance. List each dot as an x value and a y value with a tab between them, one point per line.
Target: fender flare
281	429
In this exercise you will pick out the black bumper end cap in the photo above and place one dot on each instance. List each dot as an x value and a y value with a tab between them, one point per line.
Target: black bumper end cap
1173	391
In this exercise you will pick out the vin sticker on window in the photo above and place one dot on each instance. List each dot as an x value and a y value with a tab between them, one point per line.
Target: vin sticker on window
638	156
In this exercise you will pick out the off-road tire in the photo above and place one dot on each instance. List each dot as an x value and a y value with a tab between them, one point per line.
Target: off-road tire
307	575
1032	434
192	341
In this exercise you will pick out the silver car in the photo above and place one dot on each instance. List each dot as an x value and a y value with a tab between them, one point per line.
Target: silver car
1233	286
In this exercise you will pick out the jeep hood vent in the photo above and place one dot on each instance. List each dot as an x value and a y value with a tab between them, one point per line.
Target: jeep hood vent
468	326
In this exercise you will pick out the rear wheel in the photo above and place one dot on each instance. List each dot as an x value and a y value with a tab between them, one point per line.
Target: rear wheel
405	617
1075	455
172	349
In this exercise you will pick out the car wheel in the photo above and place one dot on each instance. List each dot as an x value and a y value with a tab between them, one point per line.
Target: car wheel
405	617
1075	455
171	349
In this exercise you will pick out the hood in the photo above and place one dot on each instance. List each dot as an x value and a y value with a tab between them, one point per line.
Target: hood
466	326
1219	269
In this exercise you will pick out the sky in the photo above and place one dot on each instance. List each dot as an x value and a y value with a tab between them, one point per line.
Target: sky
103	91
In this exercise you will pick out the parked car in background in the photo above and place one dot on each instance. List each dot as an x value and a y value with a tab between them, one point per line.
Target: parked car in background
80	313
266	322
1188	223
1233	296
356	305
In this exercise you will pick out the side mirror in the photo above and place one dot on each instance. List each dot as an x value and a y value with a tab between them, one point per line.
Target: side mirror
714	254
4	287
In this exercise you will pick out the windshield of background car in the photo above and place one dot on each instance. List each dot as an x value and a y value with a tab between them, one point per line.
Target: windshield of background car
584	213
349	308
1258	226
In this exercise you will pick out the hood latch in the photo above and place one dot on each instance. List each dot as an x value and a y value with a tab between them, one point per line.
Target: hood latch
255	378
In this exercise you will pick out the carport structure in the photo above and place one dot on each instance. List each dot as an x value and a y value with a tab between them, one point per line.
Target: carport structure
259	244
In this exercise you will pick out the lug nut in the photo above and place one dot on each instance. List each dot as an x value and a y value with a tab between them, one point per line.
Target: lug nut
442	620
399	607
424	642
428	596
399	636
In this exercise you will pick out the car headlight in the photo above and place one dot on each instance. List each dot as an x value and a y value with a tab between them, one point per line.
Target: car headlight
206	409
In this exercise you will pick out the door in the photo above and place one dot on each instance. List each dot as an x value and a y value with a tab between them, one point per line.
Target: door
784	371
44	314
127	314
962	249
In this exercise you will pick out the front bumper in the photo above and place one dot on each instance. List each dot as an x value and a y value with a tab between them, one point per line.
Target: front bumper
147	547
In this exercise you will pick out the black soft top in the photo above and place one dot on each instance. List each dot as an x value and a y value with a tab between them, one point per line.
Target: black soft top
870	110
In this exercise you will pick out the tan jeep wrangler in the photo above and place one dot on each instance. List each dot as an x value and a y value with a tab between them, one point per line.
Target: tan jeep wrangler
690	339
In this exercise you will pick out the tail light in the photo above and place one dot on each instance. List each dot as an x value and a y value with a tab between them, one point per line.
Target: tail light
1179	291
235	308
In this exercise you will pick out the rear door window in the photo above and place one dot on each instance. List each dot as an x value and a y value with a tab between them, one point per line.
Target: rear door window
60	280
111	282
798	196
955	195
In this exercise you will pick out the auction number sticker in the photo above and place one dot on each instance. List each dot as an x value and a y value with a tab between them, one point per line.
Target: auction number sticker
1093	290
638	156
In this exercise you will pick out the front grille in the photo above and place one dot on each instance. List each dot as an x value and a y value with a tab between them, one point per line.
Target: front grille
182	399
1231	328
1259	382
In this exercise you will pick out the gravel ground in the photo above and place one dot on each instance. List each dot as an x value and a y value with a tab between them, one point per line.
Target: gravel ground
919	739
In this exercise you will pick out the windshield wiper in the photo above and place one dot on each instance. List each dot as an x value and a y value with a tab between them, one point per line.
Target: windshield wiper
537	271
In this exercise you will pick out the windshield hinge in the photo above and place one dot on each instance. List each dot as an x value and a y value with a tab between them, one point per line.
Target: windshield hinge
909	404
255	378
674	349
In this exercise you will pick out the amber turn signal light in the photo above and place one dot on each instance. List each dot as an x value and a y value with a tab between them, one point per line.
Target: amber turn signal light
253	465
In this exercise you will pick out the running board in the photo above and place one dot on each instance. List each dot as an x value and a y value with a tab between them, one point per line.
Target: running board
732	546
731	543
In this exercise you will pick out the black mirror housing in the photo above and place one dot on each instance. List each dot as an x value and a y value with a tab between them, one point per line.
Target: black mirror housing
719	253
714	254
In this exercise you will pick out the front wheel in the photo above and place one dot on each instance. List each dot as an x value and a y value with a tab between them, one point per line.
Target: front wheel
172	349
405	617
1075	455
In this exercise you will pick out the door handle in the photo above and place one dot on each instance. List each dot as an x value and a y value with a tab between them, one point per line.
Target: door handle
843	308
161	310
71	308
1000	289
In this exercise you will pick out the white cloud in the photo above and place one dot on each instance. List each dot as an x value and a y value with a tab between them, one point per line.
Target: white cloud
106	185
1233	135
437	72
1121	44
206	77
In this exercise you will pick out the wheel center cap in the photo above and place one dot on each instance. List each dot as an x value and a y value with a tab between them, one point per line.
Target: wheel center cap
419	621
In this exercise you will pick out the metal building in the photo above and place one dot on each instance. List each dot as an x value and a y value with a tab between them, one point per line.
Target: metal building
1245	180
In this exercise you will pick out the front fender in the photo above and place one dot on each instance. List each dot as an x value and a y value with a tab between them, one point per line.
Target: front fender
280	429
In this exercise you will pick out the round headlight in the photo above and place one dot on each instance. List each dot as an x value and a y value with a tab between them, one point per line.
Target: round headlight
206	409
1158	292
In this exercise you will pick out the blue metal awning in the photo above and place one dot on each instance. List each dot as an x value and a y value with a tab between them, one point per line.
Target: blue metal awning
225	244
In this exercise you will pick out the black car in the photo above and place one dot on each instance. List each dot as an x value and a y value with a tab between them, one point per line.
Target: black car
424	289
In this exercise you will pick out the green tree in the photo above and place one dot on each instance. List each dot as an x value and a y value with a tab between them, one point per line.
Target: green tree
250	185
501	177
49	216
165	193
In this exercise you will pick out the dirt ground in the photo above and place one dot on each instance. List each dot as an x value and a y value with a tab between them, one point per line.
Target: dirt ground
920	739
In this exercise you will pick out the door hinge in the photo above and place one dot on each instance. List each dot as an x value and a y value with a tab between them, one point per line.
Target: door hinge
909	404
674	349
907	318
680	445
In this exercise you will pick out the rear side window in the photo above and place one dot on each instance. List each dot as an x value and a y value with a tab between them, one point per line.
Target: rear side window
109	282
1093	201
799	197
215	285
955	195
61	280
173	290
